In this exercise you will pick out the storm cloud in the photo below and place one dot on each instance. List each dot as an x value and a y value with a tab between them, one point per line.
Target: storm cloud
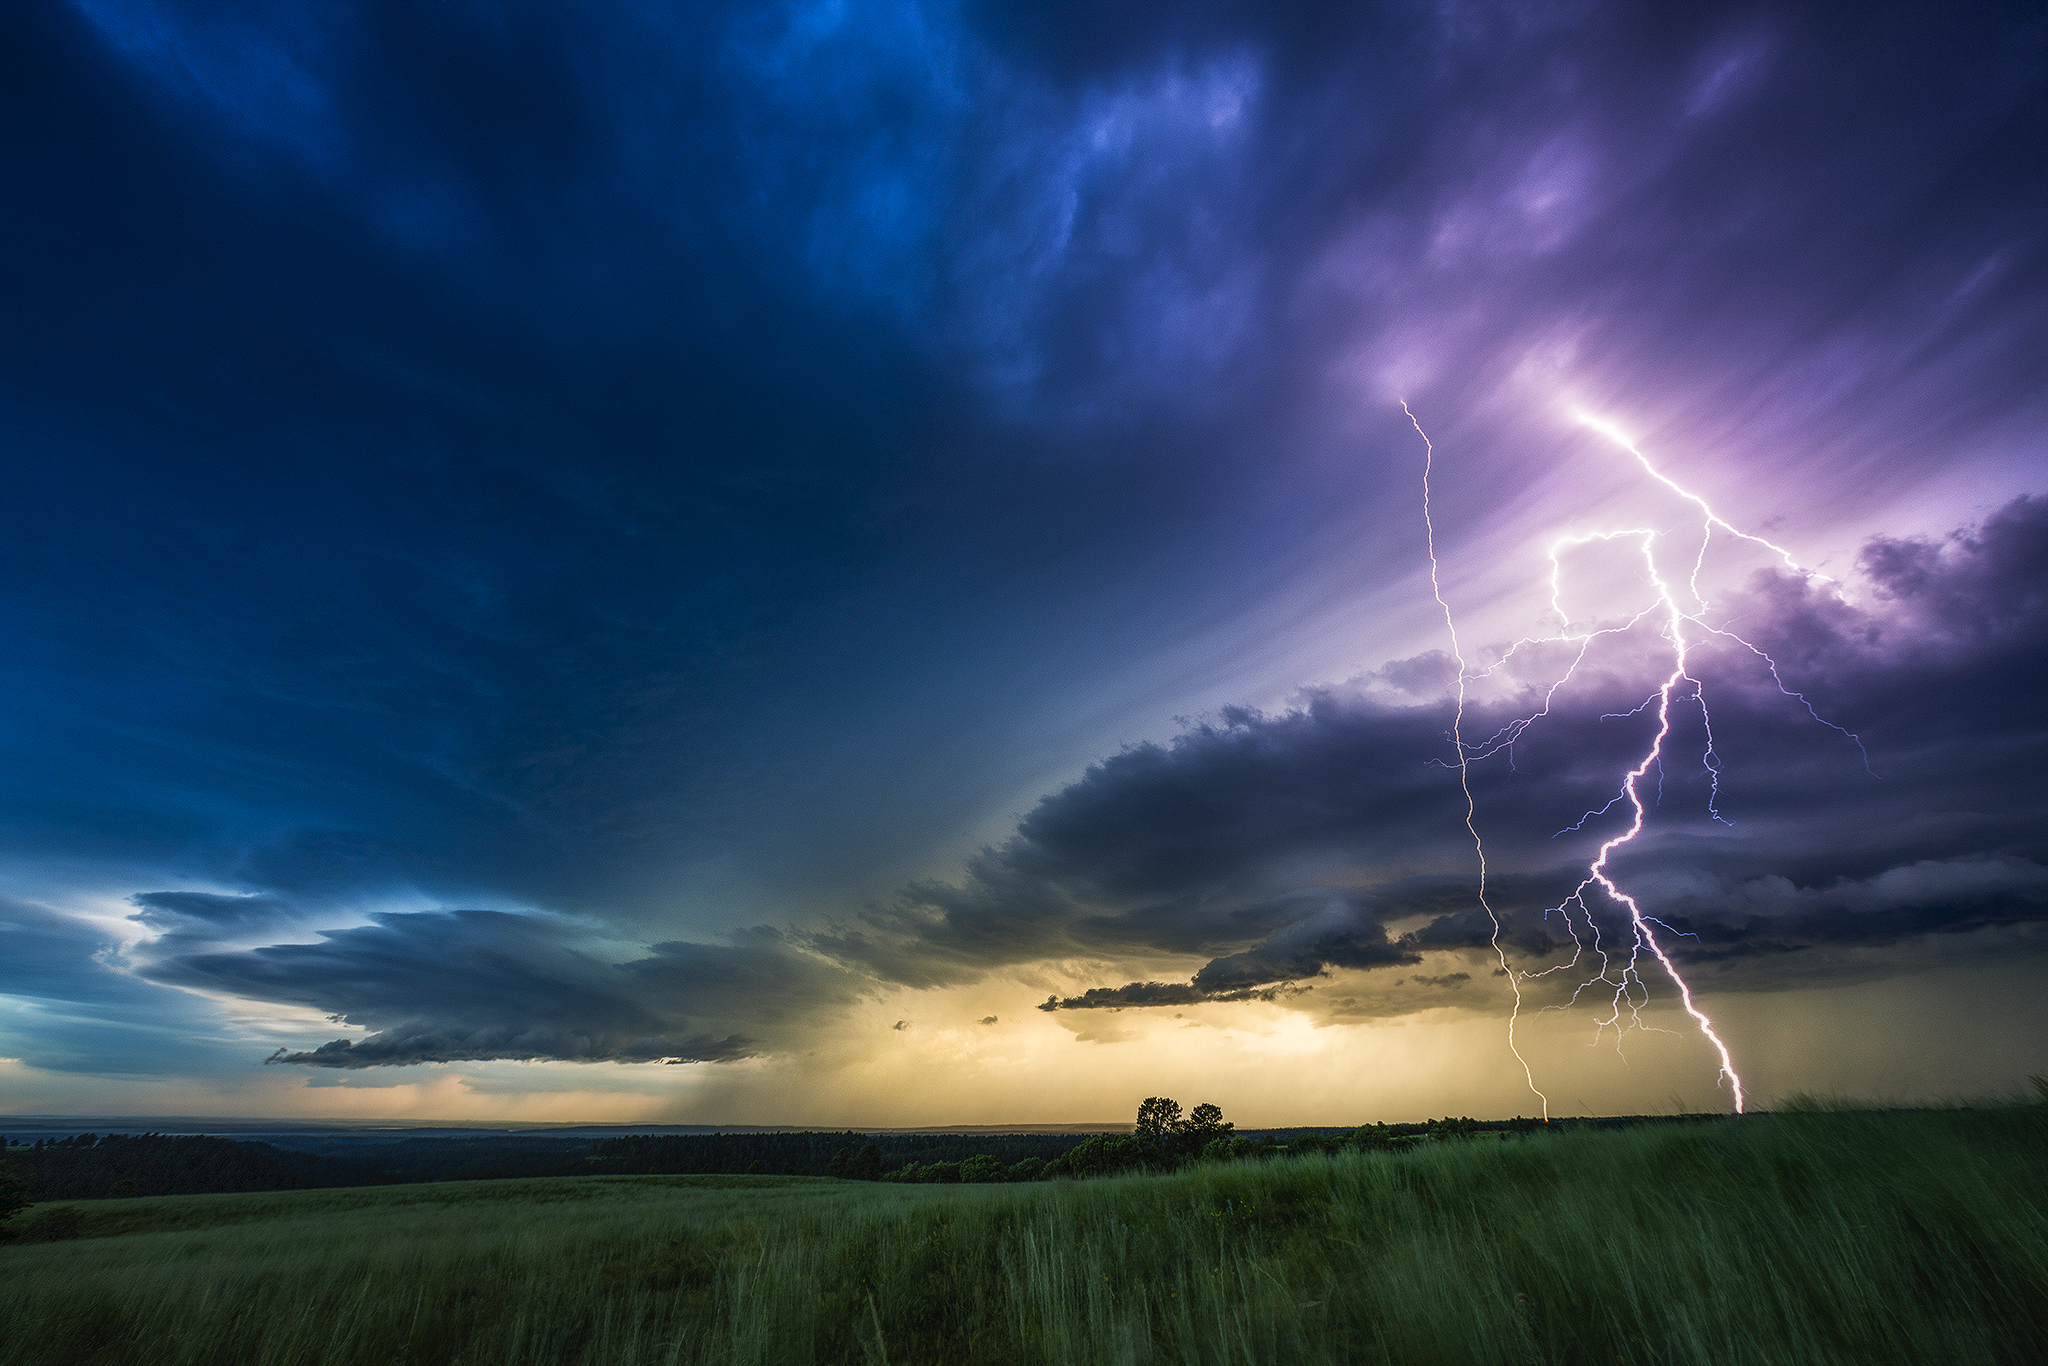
620	533
1172	850
448	986
1154	850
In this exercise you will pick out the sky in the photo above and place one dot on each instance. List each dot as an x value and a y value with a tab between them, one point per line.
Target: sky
864	563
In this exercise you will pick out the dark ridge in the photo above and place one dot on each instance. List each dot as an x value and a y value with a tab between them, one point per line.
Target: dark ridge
95	1167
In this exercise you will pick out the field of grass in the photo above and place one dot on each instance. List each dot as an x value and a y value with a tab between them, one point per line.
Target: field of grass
1807	1238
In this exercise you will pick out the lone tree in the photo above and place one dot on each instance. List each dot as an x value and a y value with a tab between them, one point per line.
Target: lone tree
1165	1136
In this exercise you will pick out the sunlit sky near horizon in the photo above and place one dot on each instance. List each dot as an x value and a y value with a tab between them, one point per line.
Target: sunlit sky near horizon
700	564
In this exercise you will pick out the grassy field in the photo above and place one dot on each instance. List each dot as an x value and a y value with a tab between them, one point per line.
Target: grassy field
1810	1238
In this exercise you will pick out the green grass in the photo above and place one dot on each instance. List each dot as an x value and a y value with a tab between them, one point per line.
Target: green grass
1807	1238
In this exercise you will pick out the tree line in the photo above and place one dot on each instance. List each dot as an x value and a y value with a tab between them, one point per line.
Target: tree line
94	1166
1163	1140
100	1166
809	1154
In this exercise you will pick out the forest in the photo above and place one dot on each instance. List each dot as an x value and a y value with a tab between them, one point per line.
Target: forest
93	1166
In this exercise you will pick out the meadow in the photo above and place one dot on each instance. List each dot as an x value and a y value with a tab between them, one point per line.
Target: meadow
1843	1236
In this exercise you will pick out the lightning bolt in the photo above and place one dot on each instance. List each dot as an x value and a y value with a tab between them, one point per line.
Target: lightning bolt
1465	758
1681	626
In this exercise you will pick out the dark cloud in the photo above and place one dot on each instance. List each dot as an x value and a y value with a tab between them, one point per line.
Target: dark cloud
1154	850
1449	981
187	923
1336	937
426	1041
1163	994
613	458
169	911
1774	915
447	986
1187	848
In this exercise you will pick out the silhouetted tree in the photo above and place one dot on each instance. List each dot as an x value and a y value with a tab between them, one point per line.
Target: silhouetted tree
1167	1139
839	1163
1204	1125
757	1168
867	1164
1158	1118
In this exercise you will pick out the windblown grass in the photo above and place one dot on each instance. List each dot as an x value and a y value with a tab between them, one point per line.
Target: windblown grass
1807	1238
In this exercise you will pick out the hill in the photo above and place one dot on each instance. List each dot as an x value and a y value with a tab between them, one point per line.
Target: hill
1846	1238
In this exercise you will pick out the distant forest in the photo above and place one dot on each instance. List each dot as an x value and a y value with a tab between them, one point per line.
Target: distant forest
108	1166
102	1166
94	1167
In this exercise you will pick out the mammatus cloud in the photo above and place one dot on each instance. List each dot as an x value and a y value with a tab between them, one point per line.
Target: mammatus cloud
1187	849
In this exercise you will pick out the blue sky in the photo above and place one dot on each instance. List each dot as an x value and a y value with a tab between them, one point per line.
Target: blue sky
544	539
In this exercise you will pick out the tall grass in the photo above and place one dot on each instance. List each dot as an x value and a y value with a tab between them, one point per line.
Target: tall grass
1809	1238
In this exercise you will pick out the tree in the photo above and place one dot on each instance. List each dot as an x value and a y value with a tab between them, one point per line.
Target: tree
1167	1138
1223	1149
757	1168
1158	1118
840	1160
1159	1130
866	1165
983	1168
1106	1155
1204	1125
1372	1138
